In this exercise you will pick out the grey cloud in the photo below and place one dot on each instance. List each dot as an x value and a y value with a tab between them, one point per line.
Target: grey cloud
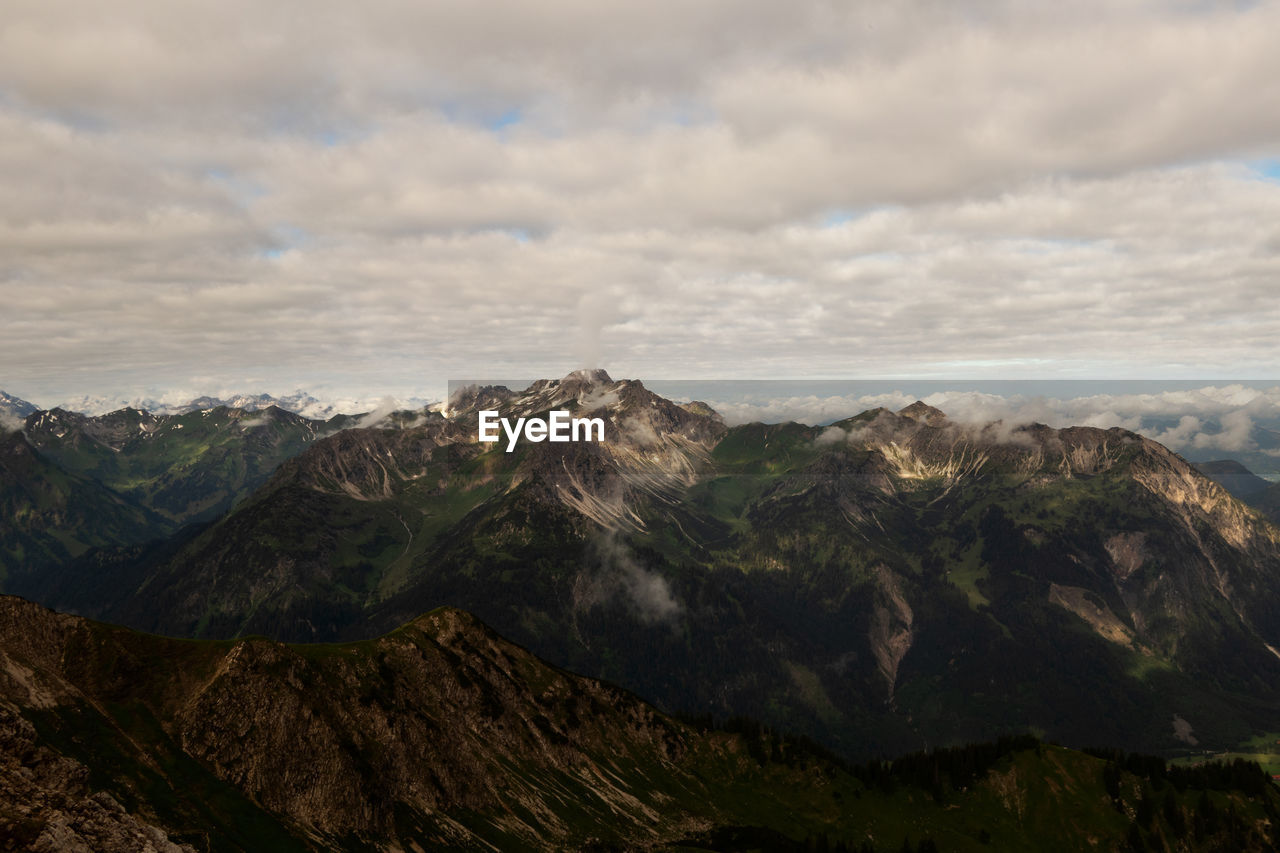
312	195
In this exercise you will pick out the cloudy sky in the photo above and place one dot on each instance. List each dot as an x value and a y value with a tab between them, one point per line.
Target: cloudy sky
368	199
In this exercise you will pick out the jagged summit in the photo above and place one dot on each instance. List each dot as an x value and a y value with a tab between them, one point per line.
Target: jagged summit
575	384
594	376
581	390
924	413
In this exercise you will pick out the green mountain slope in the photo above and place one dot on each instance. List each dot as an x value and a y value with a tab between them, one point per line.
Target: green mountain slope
190	467
51	516
114	482
442	735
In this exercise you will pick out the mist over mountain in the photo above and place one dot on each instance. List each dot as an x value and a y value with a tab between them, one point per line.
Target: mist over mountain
1202	421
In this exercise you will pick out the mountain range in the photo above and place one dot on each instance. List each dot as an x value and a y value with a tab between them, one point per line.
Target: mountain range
70	482
891	582
298	402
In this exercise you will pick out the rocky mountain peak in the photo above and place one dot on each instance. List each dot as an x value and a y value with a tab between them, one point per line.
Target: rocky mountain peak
924	413
14	408
593	376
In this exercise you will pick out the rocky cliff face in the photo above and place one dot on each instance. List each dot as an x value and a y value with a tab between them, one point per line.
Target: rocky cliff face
440	733
425	719
653	448
50	807
1245	485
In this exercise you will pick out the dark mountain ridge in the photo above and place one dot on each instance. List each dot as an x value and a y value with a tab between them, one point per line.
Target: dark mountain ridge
442	735
52	516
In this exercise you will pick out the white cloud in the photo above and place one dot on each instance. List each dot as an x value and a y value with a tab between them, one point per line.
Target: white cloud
385	409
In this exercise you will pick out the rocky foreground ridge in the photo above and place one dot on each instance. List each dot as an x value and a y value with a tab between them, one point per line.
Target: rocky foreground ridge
442	735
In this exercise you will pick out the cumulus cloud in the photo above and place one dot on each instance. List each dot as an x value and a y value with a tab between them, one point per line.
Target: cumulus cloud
376	197
1235	433
386	407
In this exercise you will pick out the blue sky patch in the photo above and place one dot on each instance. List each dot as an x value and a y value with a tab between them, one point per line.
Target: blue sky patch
840	215
507	119
1268	170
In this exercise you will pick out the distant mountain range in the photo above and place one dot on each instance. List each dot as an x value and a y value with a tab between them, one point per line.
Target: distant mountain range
71	482
1259	455
299	402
